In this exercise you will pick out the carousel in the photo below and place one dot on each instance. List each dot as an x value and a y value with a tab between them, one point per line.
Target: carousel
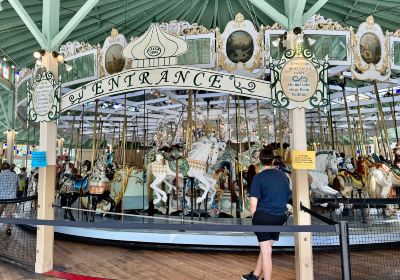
168	126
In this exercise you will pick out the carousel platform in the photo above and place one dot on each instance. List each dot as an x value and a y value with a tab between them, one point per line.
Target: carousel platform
378	230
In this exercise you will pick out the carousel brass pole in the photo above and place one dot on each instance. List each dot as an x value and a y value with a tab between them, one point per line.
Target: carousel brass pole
131	154
321	134
378	101
247	130
260	134
360	124
77	146
330	122
356	135
99	142
280	134
94	131
72	137
312	135
383	142
240	167
208	128
189	123
377	140
394	117
195	116
124	132
336	135
349	127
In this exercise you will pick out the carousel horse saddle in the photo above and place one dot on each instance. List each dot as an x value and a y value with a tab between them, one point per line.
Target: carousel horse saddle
183	166
81	184
395	170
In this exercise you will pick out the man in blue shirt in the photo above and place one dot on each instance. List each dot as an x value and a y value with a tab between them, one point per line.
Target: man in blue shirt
8	190
270	192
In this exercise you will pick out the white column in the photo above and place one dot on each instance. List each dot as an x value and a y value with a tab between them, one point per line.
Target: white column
46	185
10	145
60	146
303	246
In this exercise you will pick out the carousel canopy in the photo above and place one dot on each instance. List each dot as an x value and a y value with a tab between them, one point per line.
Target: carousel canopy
132	18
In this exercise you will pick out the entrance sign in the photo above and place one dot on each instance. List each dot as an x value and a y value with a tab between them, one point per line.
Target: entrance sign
172	77
303	160
44	98
299	80
39	159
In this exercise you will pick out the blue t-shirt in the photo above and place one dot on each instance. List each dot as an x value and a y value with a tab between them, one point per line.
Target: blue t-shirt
271	188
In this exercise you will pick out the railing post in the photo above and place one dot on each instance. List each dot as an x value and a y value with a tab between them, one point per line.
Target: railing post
344	250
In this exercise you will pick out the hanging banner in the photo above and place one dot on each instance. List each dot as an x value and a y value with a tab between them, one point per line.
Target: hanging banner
39	159
163	77
44	98
303	160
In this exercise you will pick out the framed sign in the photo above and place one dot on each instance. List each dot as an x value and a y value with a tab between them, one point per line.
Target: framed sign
201	51
395	49
39	159
299	80
44	97
370	53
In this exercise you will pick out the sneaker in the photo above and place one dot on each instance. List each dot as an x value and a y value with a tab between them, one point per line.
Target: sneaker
249	276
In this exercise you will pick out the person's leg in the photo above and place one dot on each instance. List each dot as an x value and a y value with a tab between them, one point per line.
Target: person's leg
9	210
258	270
266	252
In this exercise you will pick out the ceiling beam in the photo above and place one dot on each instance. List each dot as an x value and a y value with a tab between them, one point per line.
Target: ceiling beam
313	10
73	23
29	23
271	12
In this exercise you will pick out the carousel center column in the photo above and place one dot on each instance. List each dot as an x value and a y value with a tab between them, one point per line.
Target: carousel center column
46	184
300	194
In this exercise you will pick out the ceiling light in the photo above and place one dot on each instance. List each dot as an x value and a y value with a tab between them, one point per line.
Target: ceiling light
311	41
13	66
60	58
276	42
68	67
39	54
39	62
4	59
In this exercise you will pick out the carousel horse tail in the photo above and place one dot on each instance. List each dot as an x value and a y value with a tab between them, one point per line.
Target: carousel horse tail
149	180
371	186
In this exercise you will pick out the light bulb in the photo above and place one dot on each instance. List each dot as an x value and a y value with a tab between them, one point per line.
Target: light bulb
311	41
276	42
68	67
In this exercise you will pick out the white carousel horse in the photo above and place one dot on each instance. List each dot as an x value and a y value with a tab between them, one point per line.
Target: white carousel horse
203	152
379	181
326	161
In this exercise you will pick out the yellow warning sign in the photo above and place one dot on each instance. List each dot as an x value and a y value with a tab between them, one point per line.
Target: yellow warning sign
303	160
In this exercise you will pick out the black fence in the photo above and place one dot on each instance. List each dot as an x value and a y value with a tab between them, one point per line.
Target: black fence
351	239
373	233
18	241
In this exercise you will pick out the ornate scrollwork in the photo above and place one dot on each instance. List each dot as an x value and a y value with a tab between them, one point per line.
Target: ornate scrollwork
54	112
318	22
238	85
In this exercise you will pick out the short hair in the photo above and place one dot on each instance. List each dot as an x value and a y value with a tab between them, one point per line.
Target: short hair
267	156
5	165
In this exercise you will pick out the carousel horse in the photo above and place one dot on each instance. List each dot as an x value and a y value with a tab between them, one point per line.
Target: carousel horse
71	187
100	182
203	152
326	164
349	179
221	175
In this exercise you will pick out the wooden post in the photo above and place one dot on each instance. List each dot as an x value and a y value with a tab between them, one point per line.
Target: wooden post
303	246
46	184
10	145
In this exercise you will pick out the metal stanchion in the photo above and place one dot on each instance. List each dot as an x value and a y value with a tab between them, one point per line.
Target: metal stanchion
344	249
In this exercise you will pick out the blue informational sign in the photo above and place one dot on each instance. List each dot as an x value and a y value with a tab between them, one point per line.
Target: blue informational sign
39	159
